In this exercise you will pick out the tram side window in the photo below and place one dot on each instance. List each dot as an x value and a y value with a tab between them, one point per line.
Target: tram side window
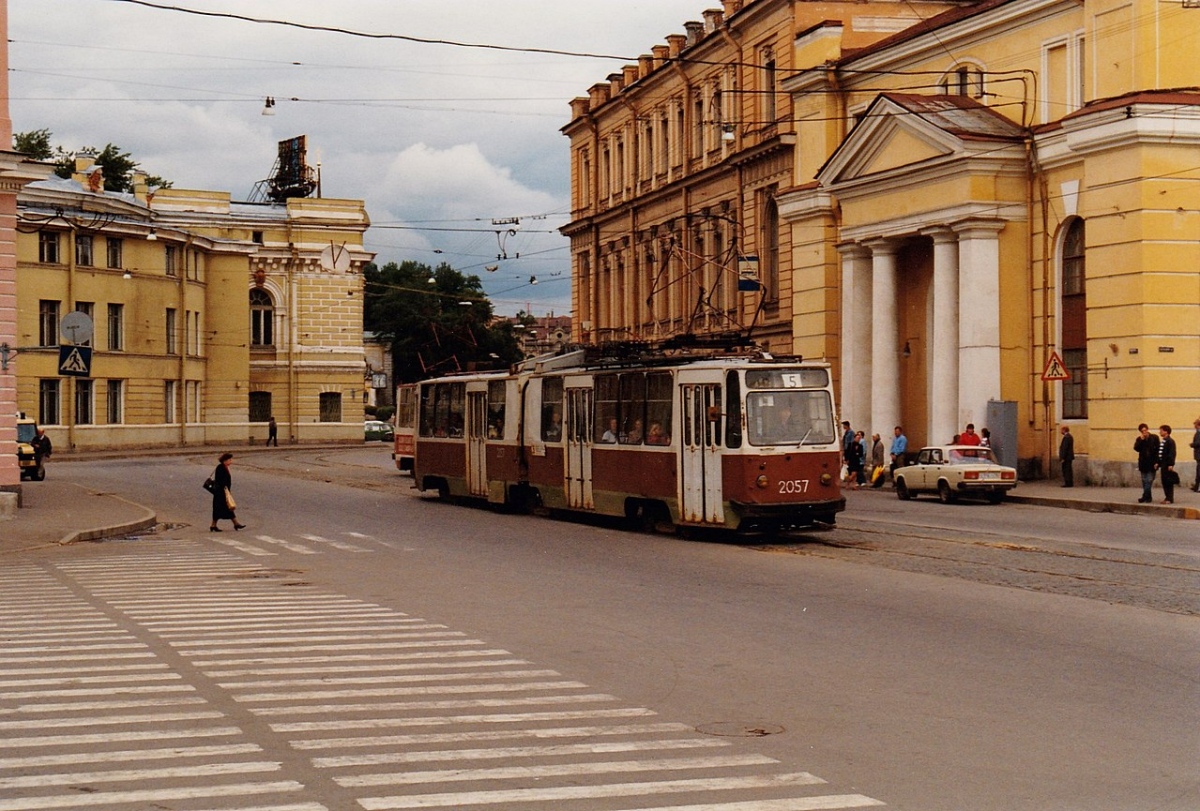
658	408
495	415
632	408
427	409
733	411
552	409
457	408
607	427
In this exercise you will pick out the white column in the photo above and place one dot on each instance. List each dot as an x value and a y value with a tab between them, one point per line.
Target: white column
943	408
978	319
885	354
856	336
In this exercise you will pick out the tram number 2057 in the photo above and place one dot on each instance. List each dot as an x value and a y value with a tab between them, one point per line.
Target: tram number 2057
793	486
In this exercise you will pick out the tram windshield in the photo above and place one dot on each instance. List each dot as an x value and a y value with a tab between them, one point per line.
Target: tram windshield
789	418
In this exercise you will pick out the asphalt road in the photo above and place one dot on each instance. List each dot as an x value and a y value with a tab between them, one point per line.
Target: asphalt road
925	658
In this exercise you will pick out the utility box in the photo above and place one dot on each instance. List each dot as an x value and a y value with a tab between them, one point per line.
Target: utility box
1002	423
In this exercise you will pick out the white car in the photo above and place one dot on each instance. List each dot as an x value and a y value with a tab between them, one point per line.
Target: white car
951	471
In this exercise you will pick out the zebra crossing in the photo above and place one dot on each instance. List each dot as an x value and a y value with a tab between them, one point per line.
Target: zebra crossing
260	545
172	674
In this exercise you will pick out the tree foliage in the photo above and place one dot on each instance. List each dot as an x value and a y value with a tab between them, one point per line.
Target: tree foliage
118	167
434	328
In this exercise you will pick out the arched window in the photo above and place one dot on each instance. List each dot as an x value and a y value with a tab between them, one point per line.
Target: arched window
262	318
964	80
1073	306
769	250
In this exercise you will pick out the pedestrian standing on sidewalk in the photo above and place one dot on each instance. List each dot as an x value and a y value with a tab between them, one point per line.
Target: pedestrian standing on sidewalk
1166	463
223	505
1146	446
899	447
1066	455
1196	455
877	454
272	433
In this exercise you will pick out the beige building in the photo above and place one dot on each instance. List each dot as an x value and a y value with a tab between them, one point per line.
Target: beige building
209	316
1006	185
677	164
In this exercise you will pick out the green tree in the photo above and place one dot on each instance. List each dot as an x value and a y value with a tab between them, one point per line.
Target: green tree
118	166
436	320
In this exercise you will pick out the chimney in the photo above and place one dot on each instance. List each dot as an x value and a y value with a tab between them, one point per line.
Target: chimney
614	82
731	7
713	18
598	94
631	74
579	107
694	31
661	52
675	44
645	65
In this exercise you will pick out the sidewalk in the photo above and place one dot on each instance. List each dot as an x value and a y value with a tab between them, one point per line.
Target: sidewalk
56	511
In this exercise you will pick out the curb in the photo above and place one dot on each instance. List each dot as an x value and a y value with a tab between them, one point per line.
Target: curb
1189	513
112	530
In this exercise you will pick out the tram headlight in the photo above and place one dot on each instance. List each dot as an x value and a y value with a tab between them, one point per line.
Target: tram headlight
826	479
762	481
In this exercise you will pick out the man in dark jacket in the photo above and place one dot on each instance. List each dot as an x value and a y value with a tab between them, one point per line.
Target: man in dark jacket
1166	462
1146	446
1066	455
1196	455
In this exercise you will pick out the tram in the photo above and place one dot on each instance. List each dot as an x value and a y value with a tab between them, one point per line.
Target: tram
406	424
731	438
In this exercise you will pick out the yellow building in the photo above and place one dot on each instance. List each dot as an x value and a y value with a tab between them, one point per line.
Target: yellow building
209	316
677	164
1004	185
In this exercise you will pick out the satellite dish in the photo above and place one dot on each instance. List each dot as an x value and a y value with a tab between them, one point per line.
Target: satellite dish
76	328
335	258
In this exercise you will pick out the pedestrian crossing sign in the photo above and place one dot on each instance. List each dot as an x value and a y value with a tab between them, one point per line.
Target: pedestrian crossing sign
1055	368
75	361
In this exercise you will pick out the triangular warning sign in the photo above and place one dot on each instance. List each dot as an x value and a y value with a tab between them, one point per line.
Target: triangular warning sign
75	360
1055	368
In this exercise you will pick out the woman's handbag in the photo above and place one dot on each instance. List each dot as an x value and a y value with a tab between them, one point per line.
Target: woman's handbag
210	485
229	502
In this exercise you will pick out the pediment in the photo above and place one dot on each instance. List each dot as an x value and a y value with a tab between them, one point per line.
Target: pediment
900	132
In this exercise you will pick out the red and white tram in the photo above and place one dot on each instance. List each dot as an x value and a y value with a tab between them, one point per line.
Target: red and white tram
734	440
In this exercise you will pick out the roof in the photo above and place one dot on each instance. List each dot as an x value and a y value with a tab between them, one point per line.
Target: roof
958	115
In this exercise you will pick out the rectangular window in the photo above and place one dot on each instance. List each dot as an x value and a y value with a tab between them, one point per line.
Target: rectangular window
191	404
632	396
495	410
48	322
552	409
171	329
48	401
171	259
84	253
170	392
607	426
768	88
116	327
331	406
260	406
88	308
1074	391
115	248
48	247
85	395
116	402
658	408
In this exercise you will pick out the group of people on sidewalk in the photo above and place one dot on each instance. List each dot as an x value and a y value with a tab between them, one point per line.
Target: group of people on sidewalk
1157	456
865	468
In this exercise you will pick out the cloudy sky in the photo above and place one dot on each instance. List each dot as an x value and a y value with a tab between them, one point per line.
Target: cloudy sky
437	138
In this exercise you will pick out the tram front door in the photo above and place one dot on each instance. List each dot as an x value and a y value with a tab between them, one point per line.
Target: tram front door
476	443
701	441
578	471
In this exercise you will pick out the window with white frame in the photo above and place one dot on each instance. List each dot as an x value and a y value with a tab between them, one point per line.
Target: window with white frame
48	322
84	250
116	402
262	318
49	399
85	396
48	247
116	327
115	248
170	392
172	327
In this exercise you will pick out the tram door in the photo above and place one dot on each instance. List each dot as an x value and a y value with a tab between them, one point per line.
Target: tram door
701	440
579	448
476	446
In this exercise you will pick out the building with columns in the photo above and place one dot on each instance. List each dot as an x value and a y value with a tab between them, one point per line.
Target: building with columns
209	316
1001	186
677	164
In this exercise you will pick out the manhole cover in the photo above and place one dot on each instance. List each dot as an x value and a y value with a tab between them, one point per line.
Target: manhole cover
734	729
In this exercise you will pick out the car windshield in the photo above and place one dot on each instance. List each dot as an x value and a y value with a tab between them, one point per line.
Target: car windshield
972	456
789	418
26	432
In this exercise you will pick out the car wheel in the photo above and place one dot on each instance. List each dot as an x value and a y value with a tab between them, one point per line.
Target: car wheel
945	494
995	498
902	491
